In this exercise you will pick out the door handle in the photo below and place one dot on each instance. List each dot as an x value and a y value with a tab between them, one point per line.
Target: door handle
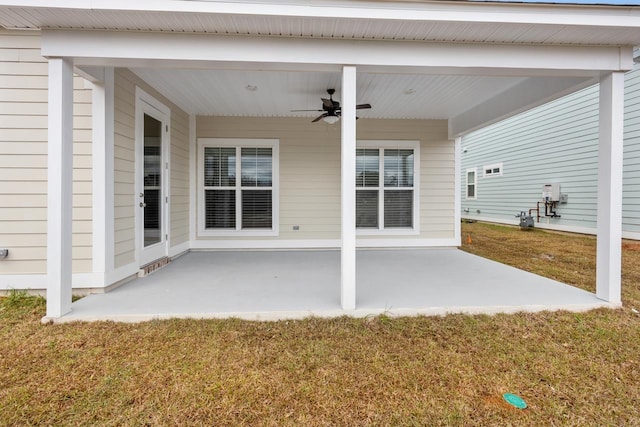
143	205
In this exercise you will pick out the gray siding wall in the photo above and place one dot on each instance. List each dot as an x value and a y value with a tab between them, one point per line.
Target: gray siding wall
554	143
631	186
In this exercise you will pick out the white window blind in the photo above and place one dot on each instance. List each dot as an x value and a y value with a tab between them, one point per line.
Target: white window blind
367	187
471	184
238	204
388	204
256	187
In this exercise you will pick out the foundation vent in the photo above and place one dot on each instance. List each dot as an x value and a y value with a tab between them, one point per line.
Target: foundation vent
153	266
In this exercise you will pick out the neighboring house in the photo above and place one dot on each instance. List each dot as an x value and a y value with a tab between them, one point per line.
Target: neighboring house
129	134
506	165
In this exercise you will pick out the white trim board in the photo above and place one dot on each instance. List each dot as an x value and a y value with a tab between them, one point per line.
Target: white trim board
193	176
103	219
176	251
457	147
121	48
320	244
79	280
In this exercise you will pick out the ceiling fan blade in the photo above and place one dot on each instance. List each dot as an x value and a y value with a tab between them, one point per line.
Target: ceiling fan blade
362	106
298	111
320	117
327	104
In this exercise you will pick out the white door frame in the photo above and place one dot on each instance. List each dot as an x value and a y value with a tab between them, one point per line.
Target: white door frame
147	104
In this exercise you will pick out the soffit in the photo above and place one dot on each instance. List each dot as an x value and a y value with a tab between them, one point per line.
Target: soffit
583	29
230	92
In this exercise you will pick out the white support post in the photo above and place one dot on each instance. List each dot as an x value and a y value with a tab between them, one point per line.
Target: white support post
60	178
458	189
610	158
348	162
103	175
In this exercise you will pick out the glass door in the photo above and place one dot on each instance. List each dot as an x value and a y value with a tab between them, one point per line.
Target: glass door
151	197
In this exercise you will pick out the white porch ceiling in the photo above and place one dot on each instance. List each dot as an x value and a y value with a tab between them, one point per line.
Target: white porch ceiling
227	92
221	47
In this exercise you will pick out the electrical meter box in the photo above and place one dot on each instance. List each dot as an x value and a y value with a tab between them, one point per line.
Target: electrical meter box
551	192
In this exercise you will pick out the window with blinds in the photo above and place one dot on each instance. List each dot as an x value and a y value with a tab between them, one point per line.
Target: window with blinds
238	188
471	183
385	193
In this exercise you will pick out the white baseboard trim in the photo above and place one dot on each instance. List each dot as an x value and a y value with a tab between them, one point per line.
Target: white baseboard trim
264	244
121	273
180	249
79	280
39	281
319	244
406	243
23	281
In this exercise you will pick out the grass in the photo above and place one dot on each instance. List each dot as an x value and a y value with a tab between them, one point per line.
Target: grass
571	368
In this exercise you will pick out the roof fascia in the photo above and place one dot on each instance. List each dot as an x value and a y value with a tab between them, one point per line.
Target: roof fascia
525	13
177	49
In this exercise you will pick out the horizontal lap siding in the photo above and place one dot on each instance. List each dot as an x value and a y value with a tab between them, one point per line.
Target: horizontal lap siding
125	84
554	143
310	169
631	187
124	164
23	159
179	176
437	171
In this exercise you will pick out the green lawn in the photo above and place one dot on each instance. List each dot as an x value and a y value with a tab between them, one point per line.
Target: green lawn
572	369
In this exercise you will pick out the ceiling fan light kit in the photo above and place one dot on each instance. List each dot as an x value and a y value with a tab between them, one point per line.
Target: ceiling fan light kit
331	109
331	119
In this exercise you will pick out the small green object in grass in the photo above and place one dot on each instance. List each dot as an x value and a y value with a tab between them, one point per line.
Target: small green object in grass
515	400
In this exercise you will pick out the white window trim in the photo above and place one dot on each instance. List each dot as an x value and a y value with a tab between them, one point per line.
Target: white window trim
275	187
491	167
475	184
396	144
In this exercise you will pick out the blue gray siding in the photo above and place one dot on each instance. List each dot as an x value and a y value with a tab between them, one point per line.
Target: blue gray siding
554	143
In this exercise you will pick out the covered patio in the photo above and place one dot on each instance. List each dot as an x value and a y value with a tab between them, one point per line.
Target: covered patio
187	79
278	285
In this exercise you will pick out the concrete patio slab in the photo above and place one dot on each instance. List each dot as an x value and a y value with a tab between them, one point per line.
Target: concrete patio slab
275	285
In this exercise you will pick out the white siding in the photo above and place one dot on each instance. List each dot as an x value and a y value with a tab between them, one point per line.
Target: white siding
554	143
23	159
310	170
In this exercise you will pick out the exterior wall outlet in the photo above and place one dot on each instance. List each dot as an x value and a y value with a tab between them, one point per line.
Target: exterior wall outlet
4	253
296	227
